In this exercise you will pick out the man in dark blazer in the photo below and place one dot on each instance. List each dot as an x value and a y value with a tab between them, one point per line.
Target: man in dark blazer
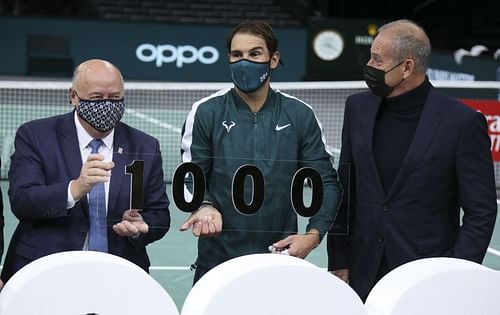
53	172
413	157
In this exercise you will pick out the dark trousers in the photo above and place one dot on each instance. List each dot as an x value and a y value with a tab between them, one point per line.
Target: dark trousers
383	269
199	272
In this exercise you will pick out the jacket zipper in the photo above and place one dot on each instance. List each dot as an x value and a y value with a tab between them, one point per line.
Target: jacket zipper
256	129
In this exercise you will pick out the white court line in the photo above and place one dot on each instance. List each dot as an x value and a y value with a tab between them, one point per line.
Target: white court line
160	268
493	251
153	120
170	268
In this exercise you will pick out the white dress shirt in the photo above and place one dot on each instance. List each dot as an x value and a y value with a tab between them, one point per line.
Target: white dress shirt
106	149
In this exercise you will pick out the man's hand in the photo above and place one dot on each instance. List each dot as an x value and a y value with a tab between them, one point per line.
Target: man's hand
93	171
299	245
132	224
205	222
343	274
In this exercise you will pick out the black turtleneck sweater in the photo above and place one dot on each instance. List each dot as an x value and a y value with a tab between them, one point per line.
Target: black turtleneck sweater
395	127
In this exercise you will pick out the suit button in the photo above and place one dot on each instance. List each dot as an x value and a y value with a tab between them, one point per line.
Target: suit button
386	208
380	239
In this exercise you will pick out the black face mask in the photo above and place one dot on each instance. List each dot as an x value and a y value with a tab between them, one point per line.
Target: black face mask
375	79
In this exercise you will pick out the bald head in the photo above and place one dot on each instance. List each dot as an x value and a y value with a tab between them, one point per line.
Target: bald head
96	78
408	40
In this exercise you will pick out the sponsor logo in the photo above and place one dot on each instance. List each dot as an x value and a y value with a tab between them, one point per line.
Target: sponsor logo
278	128
491	110
494	131
367	39
263	77
180	55
363	40
439	74
228	127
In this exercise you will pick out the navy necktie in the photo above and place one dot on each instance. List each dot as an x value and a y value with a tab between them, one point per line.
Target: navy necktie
98	231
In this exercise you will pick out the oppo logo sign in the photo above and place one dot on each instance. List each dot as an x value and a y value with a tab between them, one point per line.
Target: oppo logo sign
179	55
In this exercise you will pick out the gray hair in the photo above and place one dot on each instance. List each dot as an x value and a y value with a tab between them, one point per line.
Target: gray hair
409	40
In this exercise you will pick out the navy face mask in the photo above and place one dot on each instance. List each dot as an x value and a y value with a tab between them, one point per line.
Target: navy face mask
375	79
102	115
248	75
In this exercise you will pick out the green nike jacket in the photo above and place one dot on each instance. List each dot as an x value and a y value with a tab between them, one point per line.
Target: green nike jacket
221	134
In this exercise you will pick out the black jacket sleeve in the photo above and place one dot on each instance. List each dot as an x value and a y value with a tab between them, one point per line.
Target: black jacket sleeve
476	187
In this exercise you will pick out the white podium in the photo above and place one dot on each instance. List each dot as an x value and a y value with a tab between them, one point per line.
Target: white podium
270	284
437	286
82	282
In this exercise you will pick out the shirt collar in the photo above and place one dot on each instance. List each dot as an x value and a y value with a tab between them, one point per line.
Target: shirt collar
84	138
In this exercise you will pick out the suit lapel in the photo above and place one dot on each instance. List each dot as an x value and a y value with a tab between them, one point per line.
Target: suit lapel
370	114
68	139
69	144
70	149
426	128
120	151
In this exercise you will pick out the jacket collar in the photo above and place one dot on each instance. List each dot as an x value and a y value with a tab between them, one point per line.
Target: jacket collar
240	104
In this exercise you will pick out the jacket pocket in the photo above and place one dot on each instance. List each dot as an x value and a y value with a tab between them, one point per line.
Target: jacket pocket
435	246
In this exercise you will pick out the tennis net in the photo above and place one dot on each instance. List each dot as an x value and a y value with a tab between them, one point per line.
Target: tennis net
159	109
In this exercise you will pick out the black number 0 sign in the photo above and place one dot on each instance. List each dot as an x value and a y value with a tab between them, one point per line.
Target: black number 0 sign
258	186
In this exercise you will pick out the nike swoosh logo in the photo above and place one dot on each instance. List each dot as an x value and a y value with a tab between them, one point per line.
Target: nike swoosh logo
278	128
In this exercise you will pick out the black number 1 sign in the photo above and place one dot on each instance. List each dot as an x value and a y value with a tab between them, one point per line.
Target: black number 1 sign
136	170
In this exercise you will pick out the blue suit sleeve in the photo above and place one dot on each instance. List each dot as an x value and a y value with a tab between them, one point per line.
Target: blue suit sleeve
31	197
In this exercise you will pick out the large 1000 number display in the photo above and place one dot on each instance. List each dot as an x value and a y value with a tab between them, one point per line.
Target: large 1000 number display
136	169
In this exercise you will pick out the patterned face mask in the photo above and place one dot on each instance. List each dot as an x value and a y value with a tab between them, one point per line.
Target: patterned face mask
102	115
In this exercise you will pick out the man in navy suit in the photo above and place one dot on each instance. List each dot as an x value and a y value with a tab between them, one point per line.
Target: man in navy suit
414	157
53	173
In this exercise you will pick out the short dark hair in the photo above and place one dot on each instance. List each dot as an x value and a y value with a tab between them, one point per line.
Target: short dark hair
257	28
